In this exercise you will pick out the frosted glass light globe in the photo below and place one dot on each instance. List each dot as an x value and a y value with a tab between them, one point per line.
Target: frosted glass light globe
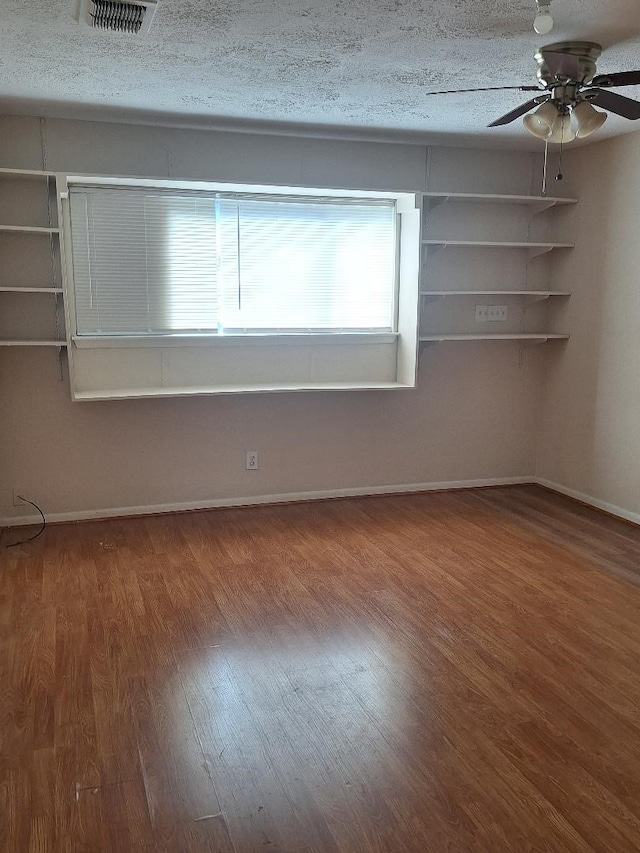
586	120
561	130
543	23
540	123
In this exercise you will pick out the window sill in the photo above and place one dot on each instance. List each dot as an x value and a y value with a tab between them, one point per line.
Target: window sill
194	365
208	390
163	341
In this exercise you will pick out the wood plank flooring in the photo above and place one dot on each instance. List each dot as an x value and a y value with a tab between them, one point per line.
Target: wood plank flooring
429	673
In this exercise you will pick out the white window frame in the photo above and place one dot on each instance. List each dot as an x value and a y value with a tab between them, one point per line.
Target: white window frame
129	366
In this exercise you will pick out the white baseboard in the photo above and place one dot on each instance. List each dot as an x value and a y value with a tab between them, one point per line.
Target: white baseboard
291	497
588	499
326	494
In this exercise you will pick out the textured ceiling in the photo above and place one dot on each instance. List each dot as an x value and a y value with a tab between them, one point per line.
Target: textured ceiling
350	64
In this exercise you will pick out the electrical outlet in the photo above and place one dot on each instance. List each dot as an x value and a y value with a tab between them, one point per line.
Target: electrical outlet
481	313
496	313
252	460
17	500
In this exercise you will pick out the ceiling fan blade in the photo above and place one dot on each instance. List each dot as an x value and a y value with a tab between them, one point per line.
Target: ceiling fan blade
562	64
514	114
622	78
615	103
487	89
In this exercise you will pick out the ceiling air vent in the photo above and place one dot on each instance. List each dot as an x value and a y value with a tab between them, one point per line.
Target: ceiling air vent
134	16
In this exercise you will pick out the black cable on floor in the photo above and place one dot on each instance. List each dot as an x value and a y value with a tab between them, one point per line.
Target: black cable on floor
35	536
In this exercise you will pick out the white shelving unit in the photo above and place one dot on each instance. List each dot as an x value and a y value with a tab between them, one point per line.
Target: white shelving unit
490	336
536	202
433	243
538	294
25	174
24	343
28	213
29	229
31	290
532	248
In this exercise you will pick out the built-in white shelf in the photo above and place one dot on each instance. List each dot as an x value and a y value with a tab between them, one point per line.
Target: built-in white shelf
25	174
493	244
41	196
513	336
33	343
540	294
496	198
30	290
29	229
534	204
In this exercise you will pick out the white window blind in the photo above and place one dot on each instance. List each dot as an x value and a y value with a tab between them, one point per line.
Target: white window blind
163	262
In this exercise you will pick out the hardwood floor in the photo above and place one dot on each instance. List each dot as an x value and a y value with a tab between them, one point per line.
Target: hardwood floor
439	672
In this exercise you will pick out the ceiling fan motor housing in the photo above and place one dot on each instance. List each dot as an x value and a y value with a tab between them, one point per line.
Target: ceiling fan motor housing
564	96
578	67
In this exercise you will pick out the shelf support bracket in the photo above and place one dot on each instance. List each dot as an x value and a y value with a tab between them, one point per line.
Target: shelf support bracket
431	203
539	250
542	205
532	298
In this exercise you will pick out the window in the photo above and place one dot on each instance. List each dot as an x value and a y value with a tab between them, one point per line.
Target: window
197	288
159	262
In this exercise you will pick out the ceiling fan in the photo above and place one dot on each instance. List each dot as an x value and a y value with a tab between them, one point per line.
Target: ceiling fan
569	88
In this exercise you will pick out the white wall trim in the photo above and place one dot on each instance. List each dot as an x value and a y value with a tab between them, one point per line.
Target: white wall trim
590	500
256	500
325	494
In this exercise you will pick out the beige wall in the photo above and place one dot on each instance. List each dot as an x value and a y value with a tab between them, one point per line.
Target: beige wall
473	415
590	429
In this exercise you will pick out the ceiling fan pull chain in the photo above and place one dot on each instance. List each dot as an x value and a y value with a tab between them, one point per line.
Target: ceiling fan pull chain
544	167
560	176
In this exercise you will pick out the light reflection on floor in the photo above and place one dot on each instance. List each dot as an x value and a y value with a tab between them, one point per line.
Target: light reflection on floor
302	707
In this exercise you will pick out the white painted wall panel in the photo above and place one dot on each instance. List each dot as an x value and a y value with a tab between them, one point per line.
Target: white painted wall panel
590	430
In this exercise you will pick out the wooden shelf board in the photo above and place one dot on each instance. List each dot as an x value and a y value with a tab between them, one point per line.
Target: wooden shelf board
495	293
30	290
509	336
10	343
497	245
494	198
29	229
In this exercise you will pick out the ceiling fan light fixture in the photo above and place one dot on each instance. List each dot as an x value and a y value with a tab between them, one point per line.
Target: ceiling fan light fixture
561	130
543	22
586	119
542	121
